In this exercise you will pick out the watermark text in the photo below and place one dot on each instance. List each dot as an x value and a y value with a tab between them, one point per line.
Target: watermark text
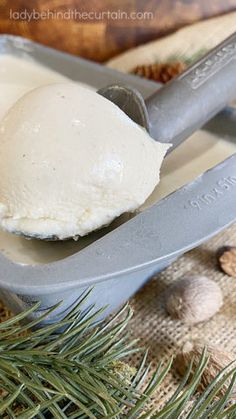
78	15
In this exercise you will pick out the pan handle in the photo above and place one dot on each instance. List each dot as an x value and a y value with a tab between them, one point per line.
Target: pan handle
187	102
152	239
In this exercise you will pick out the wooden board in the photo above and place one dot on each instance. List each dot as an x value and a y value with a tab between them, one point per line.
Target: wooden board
107	27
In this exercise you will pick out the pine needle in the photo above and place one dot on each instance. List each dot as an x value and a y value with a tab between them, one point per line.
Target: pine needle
81	373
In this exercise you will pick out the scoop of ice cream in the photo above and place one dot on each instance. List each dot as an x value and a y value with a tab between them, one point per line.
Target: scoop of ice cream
72	161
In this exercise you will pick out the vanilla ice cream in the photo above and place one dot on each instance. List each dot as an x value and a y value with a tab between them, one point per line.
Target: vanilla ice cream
71	162
18	76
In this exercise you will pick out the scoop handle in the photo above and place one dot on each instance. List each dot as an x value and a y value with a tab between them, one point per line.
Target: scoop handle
194	97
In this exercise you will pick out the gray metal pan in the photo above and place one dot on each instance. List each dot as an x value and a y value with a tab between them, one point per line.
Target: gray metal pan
120	262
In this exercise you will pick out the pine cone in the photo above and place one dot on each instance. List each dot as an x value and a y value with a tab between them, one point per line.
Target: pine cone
161	72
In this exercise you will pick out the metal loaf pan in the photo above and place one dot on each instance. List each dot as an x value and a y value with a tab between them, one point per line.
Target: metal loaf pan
120	262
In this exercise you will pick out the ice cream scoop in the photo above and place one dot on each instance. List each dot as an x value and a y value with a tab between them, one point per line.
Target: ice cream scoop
71	162
187	102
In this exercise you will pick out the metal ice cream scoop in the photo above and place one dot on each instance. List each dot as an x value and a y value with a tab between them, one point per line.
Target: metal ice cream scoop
184	104
187	102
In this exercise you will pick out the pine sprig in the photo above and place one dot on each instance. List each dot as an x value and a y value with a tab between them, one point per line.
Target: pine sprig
81	372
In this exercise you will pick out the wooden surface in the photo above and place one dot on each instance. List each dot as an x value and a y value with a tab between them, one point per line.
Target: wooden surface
100	38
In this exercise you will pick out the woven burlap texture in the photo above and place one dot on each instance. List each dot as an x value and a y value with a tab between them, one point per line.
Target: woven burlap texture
165	337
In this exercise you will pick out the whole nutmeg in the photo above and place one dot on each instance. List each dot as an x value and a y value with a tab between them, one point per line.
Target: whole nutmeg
218	359
193	299
227	260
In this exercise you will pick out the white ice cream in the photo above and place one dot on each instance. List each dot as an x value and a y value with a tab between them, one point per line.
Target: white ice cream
18	76
71	162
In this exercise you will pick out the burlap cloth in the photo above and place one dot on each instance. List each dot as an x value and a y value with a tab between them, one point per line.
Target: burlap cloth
163	336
